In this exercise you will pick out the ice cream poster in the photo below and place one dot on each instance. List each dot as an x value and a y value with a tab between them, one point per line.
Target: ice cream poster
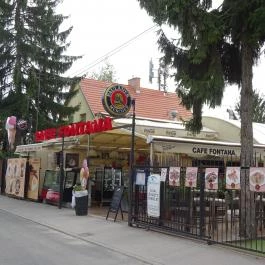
15	177
34	178
232	178
174	176
211	178
257	179
191	177
153	195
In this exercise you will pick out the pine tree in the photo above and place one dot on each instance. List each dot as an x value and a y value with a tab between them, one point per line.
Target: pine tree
36	84
215	47
258	107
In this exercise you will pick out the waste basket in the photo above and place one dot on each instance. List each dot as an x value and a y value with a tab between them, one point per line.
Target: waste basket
81	203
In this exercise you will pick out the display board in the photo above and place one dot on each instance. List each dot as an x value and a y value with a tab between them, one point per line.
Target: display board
15	177
34	178
115	204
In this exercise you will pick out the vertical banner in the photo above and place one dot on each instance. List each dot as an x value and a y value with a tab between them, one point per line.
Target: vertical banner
34	178
191	177
211	178
140	178
153	195
232	178
15	177
174	176
163	174
257	179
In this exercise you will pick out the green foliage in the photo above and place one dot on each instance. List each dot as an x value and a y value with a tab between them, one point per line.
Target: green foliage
215	47
208	53
258	108
33	63
105	73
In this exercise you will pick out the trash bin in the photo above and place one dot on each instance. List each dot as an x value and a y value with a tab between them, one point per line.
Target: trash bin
81	203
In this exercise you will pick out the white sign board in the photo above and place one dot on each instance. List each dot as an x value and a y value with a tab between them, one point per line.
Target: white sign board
153	195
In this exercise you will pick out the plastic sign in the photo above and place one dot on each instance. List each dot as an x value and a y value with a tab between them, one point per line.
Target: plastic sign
74	129
117	101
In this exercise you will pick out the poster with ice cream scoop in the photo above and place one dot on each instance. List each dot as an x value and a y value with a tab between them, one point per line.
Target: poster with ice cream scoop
15	177
34	178
232	178
211	178
191	177
174	176
257	179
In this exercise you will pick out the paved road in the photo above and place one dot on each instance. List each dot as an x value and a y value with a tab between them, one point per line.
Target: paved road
137	245
23	242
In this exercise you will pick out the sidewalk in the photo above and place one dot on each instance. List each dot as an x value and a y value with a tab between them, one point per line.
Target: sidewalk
148	246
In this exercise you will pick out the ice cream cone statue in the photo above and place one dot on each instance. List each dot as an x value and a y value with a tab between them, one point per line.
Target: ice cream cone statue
84	174
11	130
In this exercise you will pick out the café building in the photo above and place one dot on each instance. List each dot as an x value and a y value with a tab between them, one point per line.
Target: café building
160	137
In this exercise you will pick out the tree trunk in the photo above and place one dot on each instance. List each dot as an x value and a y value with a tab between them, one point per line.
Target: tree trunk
247	214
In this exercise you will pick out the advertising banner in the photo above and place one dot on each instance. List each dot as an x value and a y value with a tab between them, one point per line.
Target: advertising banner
34	177
191	177
15	177
257	179
232	178
174	176
153	195
211	178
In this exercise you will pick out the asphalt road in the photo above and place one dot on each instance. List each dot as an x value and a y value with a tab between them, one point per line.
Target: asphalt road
23	242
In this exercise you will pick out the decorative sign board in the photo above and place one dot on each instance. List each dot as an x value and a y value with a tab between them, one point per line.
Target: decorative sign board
115	204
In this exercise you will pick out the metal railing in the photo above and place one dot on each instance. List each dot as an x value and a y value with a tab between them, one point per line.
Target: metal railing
216	216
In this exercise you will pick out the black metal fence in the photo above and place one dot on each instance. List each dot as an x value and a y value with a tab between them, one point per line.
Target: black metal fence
216	216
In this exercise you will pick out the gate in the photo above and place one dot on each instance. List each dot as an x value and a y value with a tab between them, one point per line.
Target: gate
213	215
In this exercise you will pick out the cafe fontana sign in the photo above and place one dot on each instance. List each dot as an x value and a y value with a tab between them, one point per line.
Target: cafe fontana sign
75	129
195	149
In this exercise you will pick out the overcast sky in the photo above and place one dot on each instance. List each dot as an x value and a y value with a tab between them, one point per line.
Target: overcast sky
101	27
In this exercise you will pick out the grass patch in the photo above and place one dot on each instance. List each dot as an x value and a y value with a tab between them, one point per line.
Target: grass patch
257	245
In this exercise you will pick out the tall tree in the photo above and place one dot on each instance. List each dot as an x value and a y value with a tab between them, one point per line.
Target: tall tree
215	46
36	56
258	107
105	73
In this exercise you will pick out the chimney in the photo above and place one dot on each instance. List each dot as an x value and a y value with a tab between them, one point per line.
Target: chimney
135	83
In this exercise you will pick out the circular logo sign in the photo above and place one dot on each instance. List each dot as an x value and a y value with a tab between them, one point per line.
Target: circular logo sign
117	101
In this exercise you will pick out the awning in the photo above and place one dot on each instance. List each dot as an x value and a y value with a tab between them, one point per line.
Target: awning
199	147
119	139
166	128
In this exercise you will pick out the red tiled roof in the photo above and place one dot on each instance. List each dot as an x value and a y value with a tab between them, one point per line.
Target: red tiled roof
149	103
